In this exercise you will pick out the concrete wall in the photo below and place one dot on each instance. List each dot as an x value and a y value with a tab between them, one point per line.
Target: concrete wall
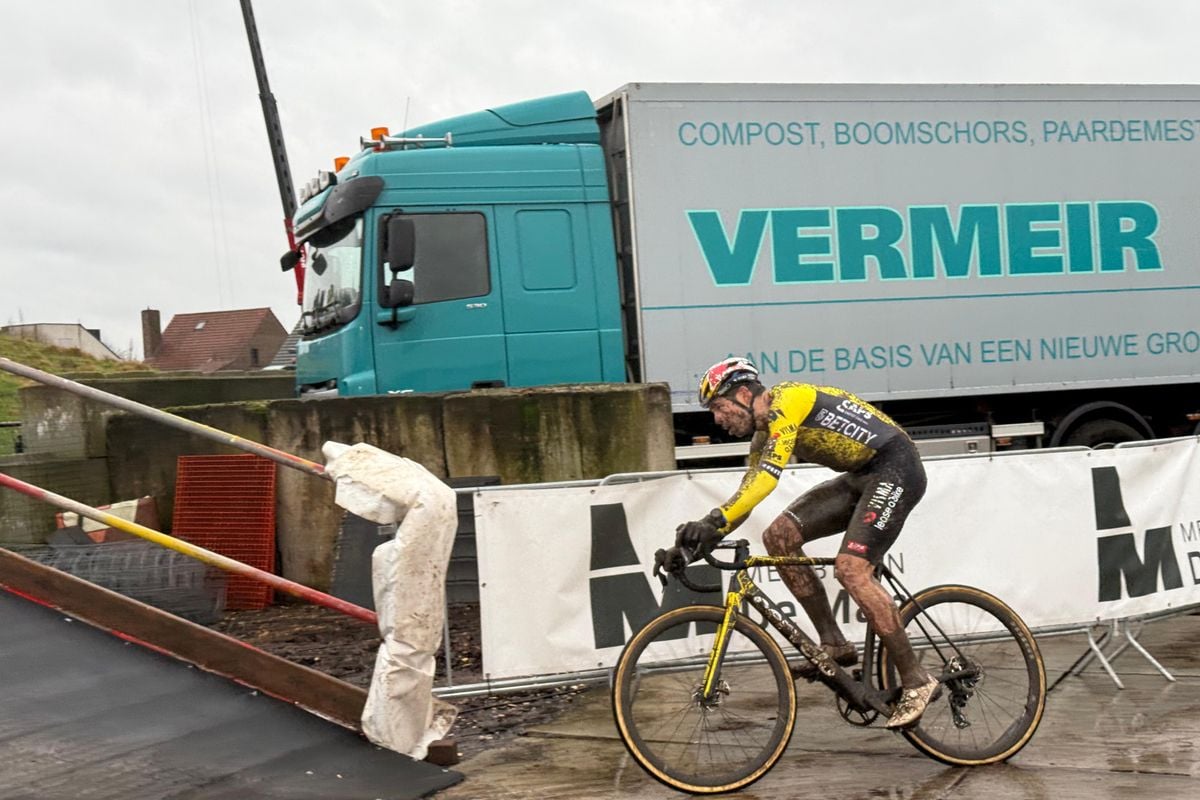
523	436
559	433
67	335
66	448
65	424
142	453
25	521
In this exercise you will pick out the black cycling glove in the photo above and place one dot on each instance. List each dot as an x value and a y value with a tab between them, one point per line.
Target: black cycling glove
702	532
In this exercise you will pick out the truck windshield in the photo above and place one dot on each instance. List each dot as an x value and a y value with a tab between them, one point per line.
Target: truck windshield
333	282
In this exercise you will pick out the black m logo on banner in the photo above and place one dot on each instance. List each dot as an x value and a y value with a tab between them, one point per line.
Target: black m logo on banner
1118	555
629	596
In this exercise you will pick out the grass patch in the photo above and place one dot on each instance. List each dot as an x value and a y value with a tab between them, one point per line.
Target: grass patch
56	361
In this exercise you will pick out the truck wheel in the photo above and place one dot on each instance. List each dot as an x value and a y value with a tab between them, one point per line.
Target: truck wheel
1102	433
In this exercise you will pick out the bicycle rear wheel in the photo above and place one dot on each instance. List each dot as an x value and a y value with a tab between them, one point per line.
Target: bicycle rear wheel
690	744
994	681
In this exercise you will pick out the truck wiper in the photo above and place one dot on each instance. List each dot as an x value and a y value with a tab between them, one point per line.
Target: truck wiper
322	317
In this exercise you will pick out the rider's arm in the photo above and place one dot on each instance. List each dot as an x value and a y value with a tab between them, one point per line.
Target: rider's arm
733	525
769	451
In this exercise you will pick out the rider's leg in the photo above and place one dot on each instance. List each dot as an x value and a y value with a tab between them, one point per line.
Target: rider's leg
784	538
892	484
857	574
822	511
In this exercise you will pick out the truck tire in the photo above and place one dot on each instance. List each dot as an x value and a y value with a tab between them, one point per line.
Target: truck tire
1102	433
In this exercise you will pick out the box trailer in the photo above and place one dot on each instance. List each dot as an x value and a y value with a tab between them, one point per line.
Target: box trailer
1009	263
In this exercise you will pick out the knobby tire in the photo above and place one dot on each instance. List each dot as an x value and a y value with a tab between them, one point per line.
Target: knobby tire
685	743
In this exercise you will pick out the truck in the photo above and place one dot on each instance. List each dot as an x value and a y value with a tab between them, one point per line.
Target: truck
995	266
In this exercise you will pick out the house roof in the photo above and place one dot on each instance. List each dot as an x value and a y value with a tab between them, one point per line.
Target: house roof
286	357
210	341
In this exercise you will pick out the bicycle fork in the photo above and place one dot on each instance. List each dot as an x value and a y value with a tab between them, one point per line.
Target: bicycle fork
712	672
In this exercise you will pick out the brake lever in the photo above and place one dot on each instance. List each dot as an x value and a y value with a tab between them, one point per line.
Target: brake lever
660	560
663	570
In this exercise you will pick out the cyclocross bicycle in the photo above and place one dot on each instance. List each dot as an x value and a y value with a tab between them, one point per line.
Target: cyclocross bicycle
705	701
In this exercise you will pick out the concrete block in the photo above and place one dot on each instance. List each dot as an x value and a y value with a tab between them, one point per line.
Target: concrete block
559	433
27	521
66	424
307	519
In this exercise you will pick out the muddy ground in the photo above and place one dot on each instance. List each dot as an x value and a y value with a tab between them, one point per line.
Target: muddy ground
345	648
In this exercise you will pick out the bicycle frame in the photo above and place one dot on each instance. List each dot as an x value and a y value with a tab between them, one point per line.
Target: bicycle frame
705	729
860	695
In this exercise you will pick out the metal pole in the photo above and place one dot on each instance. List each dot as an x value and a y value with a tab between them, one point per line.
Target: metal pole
125	404
1145	653
283	172
447	653
188	549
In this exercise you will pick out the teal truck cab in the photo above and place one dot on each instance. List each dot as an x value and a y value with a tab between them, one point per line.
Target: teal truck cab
476	252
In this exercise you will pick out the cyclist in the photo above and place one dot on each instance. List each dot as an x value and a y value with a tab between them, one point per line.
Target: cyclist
882	479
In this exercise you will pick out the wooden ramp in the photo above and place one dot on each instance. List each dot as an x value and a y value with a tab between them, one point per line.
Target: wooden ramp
99	698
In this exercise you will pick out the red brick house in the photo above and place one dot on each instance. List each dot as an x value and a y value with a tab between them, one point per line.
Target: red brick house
213	341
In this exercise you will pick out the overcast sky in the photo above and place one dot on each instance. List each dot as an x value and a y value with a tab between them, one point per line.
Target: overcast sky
136	167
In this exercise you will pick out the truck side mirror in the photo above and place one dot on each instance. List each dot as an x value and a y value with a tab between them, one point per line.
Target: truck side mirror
289	260
319	264
398	294
401	243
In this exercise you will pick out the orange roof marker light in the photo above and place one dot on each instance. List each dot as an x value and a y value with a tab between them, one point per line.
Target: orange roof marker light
378	133
340	162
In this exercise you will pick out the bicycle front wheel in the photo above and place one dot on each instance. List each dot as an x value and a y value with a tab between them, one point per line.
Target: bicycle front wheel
689	743
994	681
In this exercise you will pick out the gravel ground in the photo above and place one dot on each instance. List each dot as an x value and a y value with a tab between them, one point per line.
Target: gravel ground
327	641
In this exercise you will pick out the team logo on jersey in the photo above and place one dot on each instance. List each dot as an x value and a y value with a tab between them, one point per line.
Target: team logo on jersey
869	517
880	497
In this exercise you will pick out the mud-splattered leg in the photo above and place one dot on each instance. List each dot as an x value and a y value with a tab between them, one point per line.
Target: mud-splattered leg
858	576
783	538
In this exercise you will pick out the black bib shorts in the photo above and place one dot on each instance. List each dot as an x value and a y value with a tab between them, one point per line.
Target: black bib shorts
869	504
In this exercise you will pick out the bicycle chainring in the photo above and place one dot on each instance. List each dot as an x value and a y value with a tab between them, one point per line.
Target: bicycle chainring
860	719
854	716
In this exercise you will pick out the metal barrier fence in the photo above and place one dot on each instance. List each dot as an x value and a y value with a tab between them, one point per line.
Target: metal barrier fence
143	571
1098	636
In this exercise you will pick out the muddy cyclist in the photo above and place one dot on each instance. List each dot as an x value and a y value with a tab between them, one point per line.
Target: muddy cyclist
881	480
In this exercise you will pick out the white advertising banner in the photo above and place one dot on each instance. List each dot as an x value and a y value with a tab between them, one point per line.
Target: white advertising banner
1063	537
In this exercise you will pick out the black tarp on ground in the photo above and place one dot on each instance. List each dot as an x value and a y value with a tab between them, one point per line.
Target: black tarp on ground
85	715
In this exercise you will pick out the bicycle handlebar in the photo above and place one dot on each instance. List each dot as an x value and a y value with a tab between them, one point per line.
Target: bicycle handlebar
678	570
741	550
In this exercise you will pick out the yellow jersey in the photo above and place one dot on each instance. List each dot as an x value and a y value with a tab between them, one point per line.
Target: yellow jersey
820	424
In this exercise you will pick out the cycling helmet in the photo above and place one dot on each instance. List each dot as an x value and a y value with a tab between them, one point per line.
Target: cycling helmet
724	375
